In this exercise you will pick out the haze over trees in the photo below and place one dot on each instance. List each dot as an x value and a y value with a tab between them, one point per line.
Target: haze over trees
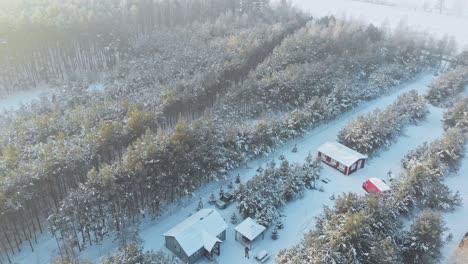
58	41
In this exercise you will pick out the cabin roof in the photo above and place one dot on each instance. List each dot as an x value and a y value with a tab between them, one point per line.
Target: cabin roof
250	229
199	230
341	153
380	184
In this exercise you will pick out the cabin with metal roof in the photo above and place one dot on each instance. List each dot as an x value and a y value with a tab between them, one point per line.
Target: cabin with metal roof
197	236
341	157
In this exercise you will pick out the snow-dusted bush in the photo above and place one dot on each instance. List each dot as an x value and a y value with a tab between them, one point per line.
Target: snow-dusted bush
444	153
457	116
263	195
423	242
369	133
444	90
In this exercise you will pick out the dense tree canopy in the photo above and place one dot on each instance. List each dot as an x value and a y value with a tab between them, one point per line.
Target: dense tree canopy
183	103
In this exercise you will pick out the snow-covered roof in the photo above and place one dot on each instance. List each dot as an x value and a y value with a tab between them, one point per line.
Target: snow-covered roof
250	229
380	184
199	230
341	153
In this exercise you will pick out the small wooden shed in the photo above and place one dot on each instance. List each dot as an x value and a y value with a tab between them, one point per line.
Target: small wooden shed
249	231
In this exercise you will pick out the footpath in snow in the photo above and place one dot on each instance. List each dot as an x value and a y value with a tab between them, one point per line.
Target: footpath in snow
299	213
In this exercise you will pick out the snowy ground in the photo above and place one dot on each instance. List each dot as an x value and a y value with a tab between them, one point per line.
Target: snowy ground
300	213
457	222
436	24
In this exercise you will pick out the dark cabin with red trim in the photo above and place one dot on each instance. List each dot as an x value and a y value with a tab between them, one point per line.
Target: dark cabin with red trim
341	157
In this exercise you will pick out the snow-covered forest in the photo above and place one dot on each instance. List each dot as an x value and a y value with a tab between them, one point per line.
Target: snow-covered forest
367	134
190	91
370	229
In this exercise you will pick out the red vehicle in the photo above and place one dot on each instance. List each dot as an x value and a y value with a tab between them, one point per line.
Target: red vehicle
375	185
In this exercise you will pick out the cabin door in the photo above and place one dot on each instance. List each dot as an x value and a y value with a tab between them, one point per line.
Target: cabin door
359	164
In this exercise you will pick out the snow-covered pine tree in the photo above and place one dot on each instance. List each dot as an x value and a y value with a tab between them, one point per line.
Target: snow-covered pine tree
200	204
234	218
212	199
422	243
274	233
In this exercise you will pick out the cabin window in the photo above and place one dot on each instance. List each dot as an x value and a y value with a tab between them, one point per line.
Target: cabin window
341	167
332	161
324	157
353	167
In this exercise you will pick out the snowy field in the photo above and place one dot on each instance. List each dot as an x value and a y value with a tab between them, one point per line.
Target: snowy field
436	24
300	213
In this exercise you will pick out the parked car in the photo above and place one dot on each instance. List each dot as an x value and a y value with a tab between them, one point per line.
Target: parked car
262	256
375	185
226	199
220	204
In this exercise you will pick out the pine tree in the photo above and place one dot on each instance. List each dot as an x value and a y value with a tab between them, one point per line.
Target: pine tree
221	191
234	218
200	205
238	181
230	185
274	233
424	240
212	199
279	224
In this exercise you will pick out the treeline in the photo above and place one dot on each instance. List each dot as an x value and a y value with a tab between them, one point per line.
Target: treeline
263	195
368	229
78	170
369	133
333	63
49	148
457	116
55	41
443	91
